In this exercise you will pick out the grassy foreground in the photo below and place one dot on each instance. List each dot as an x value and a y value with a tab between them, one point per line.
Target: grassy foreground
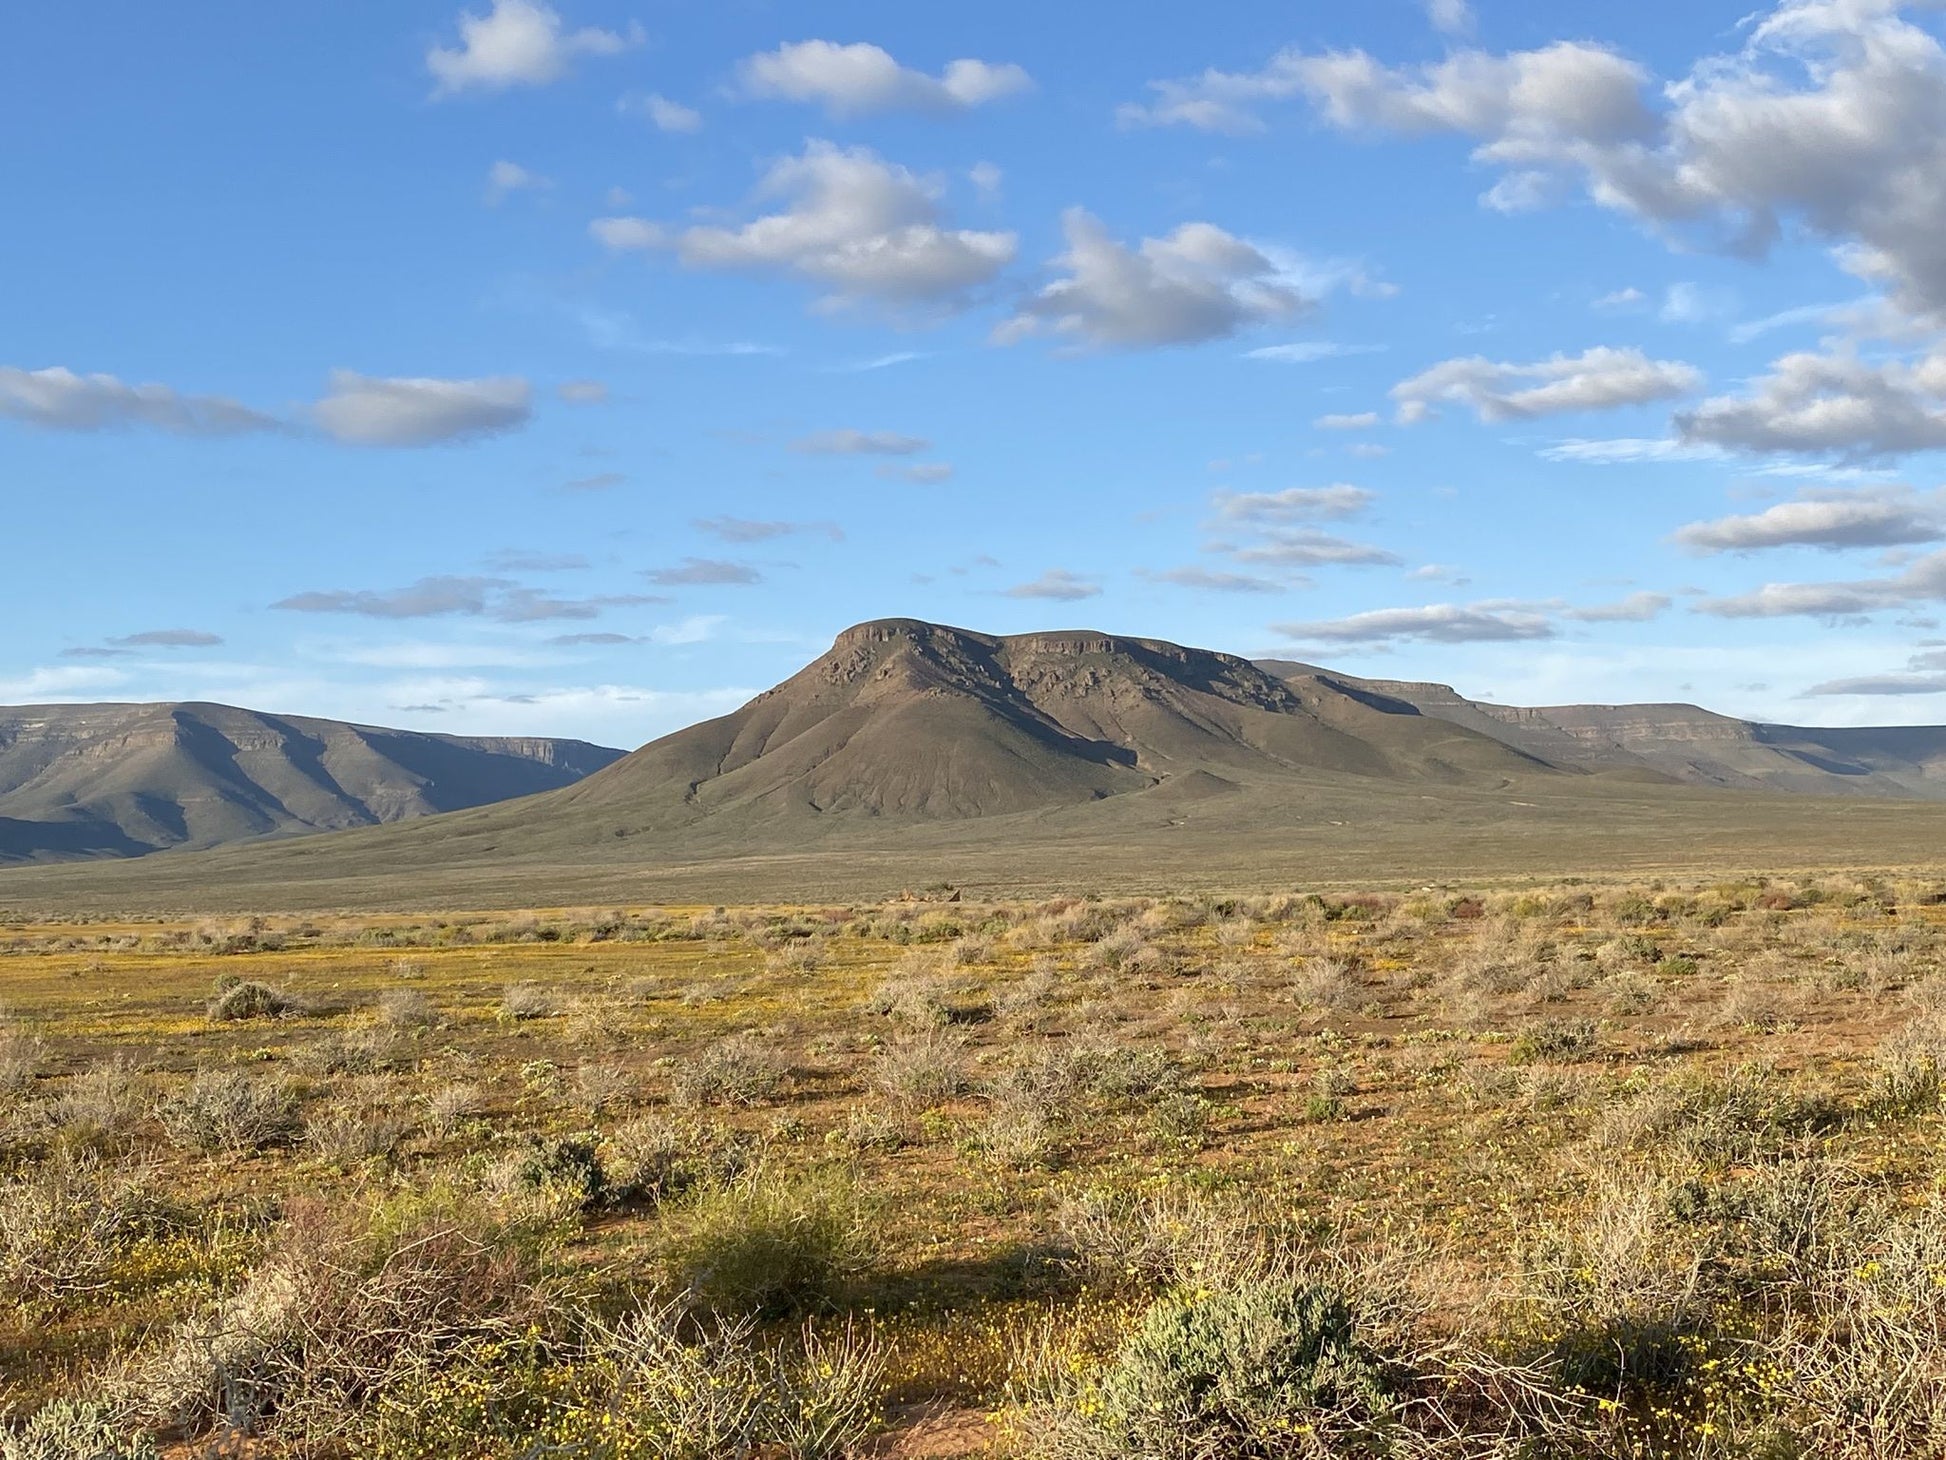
1579	1171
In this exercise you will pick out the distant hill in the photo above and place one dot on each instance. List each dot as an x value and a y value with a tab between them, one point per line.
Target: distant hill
1683	743
904	720
81	781
912	752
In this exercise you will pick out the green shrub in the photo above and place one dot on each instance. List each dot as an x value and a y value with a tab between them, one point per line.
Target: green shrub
1266	1369
1555	1039
66	1430
766	1242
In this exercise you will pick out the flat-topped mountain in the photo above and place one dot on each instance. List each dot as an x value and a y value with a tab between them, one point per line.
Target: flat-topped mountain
904	719
1684	743
124	780
912	751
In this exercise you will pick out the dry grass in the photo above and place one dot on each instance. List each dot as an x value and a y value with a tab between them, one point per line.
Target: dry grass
1694	1126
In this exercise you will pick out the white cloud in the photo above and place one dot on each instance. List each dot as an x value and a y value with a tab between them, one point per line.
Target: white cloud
987	178
1825	520
1635	609
1922	581
1882	684
1602	378
1450	17
1830	119
168	639
745	530
1831	403
864	230
517	43
705	573
853	80
1057	584
1626	449
1439	623
1531	104
662	113
1199	283
1360	421
57	399
1307	547
849	442
365	410
1308	352
1294	504
504	179
583	392
443	596
1629	298
1203	579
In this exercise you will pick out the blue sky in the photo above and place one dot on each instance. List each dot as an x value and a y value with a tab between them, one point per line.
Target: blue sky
581	368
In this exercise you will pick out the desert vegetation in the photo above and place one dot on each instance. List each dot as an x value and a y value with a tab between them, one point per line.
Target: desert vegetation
1562	1170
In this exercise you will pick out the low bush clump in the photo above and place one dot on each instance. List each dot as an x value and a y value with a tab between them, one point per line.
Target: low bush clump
69	1430
735	1071
767	1242
223	1110
242	999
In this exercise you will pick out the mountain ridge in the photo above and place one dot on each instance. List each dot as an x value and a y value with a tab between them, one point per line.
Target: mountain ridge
129	779
1688	743
1063	760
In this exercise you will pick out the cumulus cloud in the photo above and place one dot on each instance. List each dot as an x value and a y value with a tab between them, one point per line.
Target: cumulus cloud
662	113
1830	119
1438	623
1830	403
705	573
861	229
1530	103
1199	283
1824	520
1294	504
849	442
57	399
853	80
365	410
1361	421
1602	378
1922	581
1635	609
169	639
743	529
517	43
1058	584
